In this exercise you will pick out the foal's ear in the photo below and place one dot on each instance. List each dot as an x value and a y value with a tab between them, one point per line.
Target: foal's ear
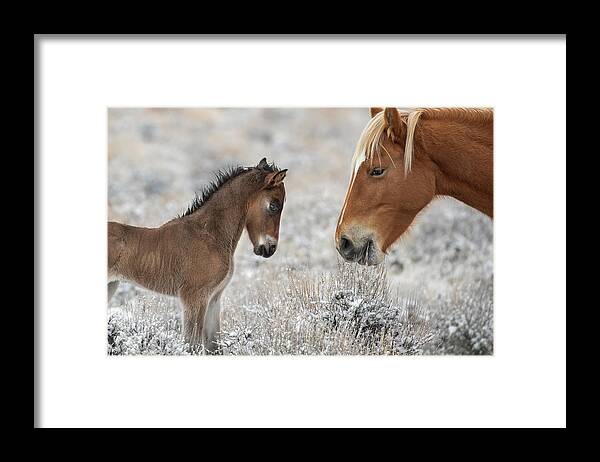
375	111
275	178
263	163
393	123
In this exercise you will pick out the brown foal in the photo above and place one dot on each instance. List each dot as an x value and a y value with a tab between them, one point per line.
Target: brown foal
191	256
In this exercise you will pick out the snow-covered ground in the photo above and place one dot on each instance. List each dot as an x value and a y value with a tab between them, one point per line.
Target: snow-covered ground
434	294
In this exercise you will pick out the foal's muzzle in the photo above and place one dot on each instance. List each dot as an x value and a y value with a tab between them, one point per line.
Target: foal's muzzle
265	250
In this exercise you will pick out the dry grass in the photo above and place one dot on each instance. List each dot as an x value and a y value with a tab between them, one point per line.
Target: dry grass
347	312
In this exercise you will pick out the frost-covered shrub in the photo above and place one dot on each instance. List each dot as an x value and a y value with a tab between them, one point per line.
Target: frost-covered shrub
465	321
345	312
147	326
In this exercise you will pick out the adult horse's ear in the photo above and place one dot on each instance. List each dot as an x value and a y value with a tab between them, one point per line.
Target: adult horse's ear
275	178
393	123
375	111
263	163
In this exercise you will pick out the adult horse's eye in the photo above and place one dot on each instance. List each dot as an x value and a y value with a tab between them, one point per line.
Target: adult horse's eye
377	171
274	207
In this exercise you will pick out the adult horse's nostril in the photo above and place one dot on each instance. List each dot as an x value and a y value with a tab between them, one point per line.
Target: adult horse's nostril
345	244
346	248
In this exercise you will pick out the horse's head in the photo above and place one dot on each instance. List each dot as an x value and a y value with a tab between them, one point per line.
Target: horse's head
387	189
264	212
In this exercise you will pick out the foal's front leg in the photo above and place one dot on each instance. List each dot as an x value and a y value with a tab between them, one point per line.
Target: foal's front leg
112	287
212	323
194	304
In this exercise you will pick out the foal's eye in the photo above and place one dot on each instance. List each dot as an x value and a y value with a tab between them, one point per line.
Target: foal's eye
274	207
377	171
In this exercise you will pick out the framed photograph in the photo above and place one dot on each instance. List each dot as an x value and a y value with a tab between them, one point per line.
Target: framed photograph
296	224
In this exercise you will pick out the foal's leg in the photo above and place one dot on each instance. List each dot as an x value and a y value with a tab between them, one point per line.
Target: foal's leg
212	323
194	305
112	287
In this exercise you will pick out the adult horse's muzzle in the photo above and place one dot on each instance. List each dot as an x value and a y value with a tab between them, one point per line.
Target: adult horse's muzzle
363	252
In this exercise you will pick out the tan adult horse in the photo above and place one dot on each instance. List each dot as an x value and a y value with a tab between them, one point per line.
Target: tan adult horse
445	151
191	256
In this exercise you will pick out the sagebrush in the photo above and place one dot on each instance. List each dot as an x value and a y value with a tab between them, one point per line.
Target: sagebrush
350	311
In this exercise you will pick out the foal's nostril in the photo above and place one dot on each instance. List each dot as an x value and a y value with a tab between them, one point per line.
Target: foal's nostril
270	250
265	250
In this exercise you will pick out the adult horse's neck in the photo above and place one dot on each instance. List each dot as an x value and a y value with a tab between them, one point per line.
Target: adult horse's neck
224	213
461	148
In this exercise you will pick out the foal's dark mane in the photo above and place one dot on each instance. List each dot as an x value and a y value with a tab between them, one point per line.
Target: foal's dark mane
220	177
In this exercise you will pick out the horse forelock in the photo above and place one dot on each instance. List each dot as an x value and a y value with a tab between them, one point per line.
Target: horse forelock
371	139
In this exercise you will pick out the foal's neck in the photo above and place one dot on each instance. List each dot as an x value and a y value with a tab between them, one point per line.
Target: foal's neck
461	150
223	215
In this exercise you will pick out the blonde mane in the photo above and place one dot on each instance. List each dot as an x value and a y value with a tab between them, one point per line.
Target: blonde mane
371	138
